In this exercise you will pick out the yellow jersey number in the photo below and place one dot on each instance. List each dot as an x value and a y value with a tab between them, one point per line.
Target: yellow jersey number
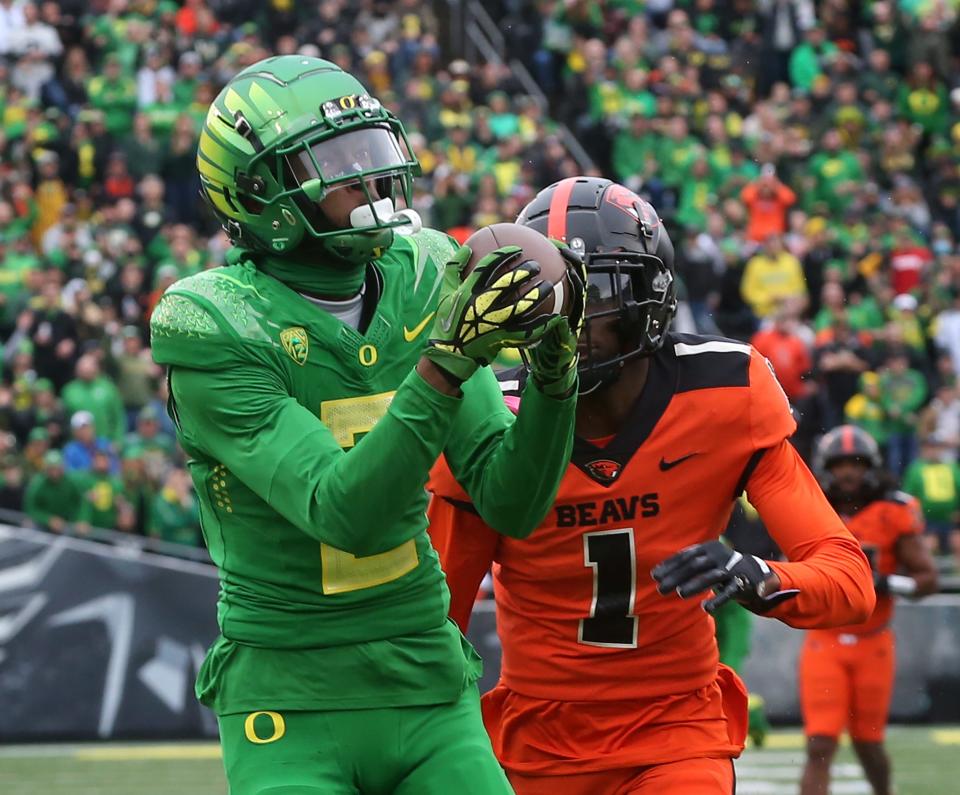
342	572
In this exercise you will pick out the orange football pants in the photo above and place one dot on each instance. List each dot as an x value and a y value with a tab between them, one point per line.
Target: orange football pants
666	745
846	682
688	777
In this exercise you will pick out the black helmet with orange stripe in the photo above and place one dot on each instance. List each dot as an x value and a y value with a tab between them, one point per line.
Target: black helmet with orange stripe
847	442
629	262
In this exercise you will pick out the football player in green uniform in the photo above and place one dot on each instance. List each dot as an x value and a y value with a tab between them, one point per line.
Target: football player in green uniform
314	380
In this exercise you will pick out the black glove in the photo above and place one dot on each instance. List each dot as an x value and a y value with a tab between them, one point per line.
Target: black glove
897	584
733	575
881	583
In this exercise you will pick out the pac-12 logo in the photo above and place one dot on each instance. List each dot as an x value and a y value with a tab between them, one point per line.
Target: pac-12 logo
296	343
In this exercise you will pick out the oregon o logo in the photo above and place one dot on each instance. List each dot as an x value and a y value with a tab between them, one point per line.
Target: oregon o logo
279	727
348	102
367	355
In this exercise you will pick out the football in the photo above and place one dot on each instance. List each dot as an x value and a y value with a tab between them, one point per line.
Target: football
536	247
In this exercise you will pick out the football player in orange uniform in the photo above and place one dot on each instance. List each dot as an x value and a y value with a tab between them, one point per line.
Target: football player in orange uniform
608	685
846	673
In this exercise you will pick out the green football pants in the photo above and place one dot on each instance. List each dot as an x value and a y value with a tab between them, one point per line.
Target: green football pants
734	627
434	750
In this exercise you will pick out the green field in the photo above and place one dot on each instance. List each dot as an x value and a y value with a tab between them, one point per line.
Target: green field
926	762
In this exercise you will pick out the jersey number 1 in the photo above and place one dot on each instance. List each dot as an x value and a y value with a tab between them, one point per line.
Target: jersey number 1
612	556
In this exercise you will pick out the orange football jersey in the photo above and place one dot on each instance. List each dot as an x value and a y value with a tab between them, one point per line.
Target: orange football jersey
578	613
878	526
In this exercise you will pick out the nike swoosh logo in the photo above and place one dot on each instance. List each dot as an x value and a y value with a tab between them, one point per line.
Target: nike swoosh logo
665	465
411	334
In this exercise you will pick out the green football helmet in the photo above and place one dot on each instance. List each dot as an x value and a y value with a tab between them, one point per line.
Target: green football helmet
283	134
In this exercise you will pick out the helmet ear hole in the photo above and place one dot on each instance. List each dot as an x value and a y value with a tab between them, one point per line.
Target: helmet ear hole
249	204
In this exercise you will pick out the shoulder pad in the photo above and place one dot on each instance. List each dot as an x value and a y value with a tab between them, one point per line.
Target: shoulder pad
200	321
696	344
231	294
708	362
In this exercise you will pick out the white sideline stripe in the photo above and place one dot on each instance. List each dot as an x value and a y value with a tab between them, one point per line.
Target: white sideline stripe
851	788
792	772
759	758
714	346
779	788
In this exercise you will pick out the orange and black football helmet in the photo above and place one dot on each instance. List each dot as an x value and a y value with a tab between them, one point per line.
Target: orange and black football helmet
629	262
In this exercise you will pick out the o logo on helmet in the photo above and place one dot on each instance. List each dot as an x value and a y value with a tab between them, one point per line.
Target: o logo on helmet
367	355
348	102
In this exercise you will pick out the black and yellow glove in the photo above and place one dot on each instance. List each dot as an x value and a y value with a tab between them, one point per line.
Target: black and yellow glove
553	360
498	305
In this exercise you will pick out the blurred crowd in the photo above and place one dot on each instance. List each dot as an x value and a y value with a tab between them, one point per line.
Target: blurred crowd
805	156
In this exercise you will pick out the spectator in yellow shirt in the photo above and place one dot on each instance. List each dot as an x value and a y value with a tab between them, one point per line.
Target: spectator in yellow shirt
770	276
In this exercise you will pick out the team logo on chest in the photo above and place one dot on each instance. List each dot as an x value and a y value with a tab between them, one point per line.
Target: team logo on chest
603	470
296	343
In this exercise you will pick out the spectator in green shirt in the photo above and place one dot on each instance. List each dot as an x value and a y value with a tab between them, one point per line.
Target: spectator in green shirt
865	409
697	195
835	174
635	96
17	261
634	151
103	503
879	82
91	391
503	121
156	447
903	391
116	95
934	479
135	373
922	100
54	498
144	151
188	74
677	152
808	60
174	513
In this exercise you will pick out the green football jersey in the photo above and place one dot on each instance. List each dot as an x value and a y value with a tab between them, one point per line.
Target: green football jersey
310	446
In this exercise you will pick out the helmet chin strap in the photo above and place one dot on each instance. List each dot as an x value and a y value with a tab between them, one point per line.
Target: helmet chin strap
382	212
599	378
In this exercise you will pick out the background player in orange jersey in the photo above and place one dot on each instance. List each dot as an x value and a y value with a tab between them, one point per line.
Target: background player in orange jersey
608	686
846	673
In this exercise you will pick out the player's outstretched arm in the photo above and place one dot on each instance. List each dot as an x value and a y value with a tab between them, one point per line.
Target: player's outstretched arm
824	561
827	581
352	500
510	467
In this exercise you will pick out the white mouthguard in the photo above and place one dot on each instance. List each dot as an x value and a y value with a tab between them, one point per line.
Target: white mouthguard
366	215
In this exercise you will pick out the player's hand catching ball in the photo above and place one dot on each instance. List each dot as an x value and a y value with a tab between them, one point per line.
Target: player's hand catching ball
744	578
499	304
553	360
